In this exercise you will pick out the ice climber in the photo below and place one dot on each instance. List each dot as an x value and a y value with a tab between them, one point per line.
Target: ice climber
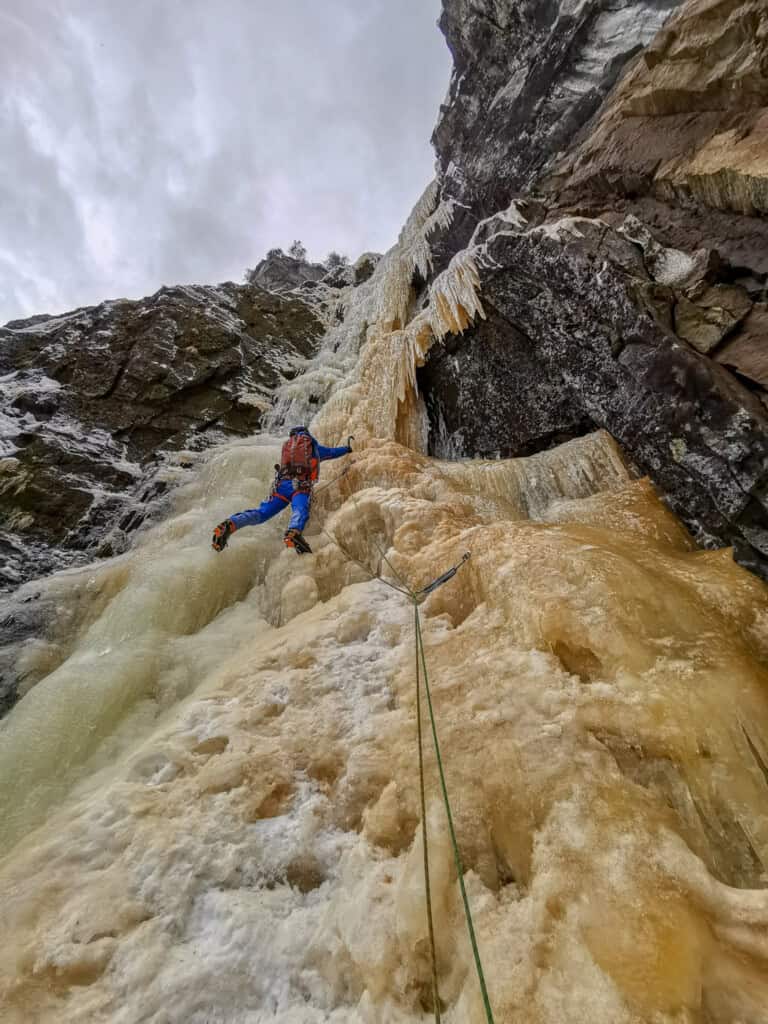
294	480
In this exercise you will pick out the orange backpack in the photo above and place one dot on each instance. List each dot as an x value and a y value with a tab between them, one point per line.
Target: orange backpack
296	457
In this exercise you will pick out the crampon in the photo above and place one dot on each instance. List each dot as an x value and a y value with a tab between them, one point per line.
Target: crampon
294	539
222	534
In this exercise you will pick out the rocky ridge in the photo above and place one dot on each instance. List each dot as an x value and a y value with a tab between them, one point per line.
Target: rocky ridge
97	401
605	165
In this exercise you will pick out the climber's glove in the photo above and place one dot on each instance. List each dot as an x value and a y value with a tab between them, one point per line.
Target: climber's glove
221	535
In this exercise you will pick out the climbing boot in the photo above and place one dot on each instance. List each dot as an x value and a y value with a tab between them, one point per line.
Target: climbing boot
222	534
294	539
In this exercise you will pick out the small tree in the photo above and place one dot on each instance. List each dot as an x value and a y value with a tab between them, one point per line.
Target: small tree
274	254
298	250
336	259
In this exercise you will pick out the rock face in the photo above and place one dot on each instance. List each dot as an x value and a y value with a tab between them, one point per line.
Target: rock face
556	360
527	76
92	397
281	273
625	287
689	122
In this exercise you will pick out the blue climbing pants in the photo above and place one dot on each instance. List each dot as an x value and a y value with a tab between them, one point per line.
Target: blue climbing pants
279	499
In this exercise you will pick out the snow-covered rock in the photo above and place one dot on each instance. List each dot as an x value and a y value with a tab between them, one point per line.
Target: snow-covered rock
281	273
89	400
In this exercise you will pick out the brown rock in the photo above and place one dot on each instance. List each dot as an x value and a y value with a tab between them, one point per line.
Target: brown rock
666	143
707	314
730	171
690	120
748	352
709	56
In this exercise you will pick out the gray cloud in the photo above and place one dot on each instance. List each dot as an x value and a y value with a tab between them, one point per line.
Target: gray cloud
168	141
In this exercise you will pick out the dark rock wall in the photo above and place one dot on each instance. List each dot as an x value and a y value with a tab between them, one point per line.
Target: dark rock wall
634	297
528	75
567	348
688	123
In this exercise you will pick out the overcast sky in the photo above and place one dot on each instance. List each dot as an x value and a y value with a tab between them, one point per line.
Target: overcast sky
151	142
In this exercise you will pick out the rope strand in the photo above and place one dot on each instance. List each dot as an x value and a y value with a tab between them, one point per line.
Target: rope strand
421	669
430	924
451	829
363	566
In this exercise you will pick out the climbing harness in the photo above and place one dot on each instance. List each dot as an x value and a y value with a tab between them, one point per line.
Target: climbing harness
422	681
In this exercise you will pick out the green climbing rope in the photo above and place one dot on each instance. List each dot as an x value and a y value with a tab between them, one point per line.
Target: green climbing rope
449	815
425	840
421	670
334	480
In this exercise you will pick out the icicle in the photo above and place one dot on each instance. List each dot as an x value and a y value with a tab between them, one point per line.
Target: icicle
454	298
382	340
